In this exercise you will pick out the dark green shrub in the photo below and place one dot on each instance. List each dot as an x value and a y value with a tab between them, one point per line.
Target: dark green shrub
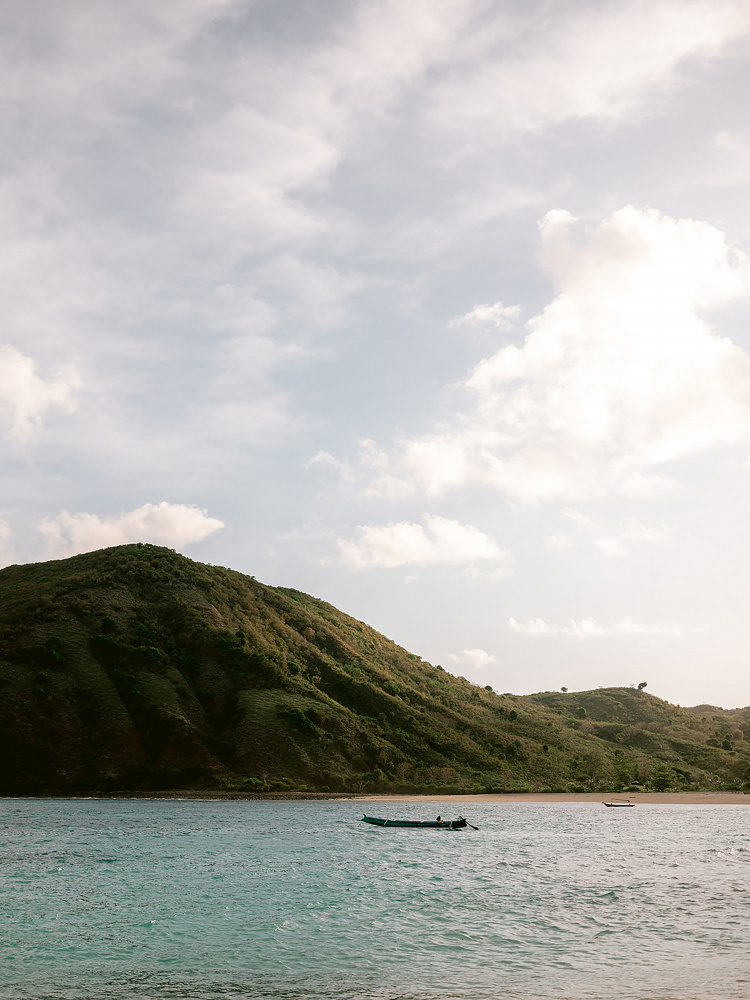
47	655
662	779
300	721
147	656
107	650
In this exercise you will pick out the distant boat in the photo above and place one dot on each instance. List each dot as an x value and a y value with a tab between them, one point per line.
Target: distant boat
619	804
443	824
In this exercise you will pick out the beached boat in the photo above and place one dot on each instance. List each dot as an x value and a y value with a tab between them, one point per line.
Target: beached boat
434	824
619	803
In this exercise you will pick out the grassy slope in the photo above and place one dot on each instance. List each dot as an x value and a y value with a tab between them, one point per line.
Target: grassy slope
135	667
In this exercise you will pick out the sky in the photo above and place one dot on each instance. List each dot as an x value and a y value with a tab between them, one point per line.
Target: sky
437	311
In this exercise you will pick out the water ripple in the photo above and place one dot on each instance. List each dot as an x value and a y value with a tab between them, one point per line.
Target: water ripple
208	900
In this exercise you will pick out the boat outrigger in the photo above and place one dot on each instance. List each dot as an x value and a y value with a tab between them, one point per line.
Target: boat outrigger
435	824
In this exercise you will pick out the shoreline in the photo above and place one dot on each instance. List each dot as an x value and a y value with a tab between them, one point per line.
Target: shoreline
549	798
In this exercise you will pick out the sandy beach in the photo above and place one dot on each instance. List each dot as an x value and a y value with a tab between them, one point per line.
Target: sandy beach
551	798
645	798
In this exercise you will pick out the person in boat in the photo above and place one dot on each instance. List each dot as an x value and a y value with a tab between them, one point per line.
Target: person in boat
439	819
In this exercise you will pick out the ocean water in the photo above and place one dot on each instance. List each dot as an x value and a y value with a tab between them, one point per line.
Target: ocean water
193	900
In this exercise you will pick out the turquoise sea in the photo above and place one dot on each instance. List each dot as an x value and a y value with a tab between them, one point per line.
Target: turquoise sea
207	900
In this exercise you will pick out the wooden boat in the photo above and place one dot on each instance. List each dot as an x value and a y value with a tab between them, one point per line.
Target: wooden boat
619	803
443	824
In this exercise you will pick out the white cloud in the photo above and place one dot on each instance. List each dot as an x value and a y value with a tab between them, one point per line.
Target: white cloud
143	213
537	626
164	523
132	196
497	315
440	543
617	540
589	628
618	376
606	61
471	659
320	291
627	533
288	118
88	51
25	397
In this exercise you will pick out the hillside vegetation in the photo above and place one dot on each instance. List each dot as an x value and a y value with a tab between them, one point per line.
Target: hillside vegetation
135	668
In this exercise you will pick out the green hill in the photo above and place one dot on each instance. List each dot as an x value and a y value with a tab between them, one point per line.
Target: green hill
135	668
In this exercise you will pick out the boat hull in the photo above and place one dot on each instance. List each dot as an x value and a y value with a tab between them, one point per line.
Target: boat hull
451	824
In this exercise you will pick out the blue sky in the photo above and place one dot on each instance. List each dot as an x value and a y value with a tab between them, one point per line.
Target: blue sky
437	311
